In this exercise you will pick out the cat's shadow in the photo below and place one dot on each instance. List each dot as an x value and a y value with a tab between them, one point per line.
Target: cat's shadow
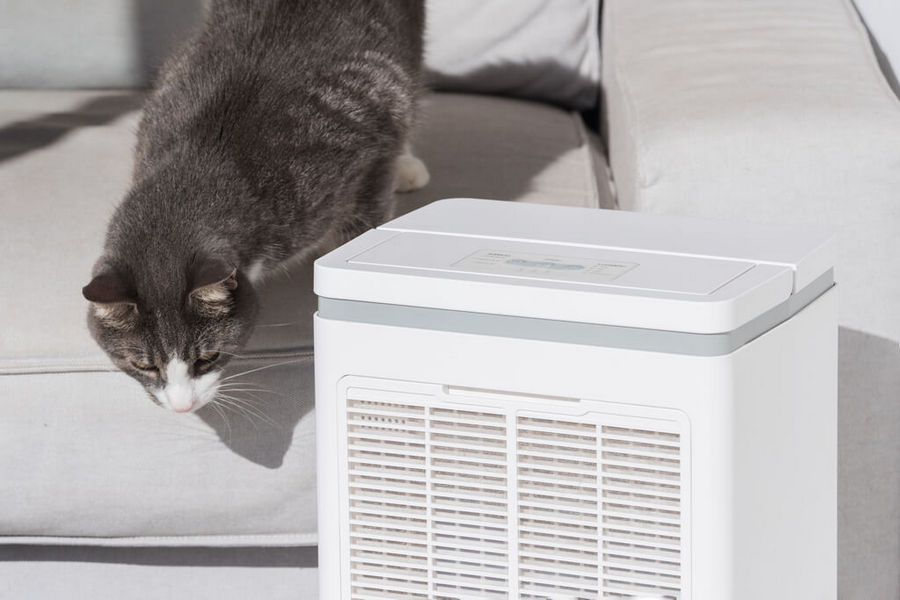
266	400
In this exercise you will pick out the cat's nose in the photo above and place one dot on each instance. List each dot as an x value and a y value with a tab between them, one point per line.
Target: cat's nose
181	397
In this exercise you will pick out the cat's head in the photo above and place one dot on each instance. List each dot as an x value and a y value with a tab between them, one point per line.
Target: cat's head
175	340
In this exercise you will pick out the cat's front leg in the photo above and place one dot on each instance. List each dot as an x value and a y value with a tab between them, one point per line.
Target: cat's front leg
410	172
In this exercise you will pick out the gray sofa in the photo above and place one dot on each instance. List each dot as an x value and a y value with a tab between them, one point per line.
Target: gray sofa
734	115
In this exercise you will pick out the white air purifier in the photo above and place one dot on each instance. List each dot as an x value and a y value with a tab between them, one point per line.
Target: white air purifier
517	401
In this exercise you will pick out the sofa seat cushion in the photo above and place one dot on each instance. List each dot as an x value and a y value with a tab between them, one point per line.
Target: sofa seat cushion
84	456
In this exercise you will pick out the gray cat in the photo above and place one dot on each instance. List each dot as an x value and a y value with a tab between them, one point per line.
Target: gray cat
281	124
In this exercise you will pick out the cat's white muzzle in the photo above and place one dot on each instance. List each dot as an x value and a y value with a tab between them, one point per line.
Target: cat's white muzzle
183	393
180	397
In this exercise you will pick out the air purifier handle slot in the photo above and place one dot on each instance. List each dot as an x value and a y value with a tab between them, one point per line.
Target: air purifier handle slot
456	391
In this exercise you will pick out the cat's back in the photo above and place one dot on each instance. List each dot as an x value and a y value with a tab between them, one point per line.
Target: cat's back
312	34
258	70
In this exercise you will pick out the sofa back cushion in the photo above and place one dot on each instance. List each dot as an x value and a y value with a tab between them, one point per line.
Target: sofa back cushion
93	44
540	49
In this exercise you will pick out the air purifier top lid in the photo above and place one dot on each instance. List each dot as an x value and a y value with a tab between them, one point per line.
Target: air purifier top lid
576	264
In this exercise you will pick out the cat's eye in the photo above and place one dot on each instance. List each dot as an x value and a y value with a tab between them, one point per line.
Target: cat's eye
144	366
208	358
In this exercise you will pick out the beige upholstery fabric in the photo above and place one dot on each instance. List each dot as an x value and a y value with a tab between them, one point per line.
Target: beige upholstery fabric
776	111
84	456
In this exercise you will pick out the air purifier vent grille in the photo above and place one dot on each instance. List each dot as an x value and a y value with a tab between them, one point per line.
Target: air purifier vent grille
447	503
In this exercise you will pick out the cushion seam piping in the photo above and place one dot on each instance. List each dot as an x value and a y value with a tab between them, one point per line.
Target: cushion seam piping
38	369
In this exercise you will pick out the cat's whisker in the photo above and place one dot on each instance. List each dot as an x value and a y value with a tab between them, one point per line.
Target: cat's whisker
262	400
227	400
250	409
234	383
249	391
179	429
219	409
234	387
236	408
243	386
287	362
248	401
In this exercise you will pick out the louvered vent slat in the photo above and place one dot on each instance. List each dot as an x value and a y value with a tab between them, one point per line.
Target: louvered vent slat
388	584
595	510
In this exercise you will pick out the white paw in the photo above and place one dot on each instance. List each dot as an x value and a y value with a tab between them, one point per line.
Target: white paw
411	173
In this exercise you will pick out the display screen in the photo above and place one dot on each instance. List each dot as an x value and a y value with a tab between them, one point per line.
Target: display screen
542	265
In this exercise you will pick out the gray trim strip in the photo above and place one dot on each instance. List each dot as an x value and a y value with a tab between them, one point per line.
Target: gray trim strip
630	338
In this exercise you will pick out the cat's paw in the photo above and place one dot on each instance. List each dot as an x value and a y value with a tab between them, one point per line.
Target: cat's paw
411	173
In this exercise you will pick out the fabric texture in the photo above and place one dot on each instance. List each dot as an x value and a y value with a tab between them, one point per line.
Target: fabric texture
777	111
85	458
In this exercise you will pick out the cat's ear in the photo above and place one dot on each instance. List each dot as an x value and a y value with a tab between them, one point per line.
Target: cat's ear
211	286
113	299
